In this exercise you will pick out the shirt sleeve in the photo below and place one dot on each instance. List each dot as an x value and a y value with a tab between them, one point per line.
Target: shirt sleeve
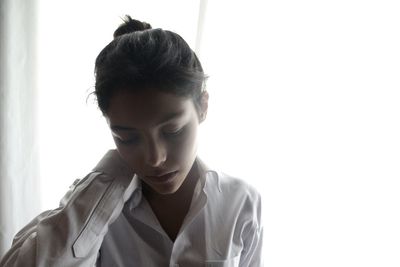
251	255
23	249
47	239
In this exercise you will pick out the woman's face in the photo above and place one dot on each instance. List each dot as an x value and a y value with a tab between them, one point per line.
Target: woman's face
156	134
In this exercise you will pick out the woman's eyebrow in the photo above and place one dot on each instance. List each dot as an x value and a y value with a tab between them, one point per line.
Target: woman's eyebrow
171	116
165	119
121	128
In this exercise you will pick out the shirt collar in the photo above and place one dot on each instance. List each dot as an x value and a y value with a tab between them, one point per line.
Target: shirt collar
205	172
113	165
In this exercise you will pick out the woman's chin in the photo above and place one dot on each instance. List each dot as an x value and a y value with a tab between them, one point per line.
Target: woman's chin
167	187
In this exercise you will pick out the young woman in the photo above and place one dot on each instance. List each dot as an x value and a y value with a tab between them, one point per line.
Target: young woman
152	201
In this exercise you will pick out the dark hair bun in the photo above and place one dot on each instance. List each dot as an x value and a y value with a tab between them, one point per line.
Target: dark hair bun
131	25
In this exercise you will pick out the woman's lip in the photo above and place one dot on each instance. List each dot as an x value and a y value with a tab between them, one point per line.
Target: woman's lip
163	178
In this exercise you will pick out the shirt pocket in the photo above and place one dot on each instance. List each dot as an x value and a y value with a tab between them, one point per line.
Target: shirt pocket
232	262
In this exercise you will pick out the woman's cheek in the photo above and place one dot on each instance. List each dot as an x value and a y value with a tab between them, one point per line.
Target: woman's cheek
187	145
129	155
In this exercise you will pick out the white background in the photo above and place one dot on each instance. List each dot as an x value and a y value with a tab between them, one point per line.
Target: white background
304	105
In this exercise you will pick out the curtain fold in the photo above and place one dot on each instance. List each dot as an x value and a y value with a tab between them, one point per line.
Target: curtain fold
19	172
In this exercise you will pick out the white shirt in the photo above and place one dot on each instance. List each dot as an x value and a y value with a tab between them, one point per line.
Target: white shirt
222	228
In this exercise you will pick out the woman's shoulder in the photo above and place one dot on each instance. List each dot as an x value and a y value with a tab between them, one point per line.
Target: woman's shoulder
234	197
229	186
109	170
226	183
238	185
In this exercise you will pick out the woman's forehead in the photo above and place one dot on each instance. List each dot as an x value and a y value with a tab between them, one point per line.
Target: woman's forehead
146	108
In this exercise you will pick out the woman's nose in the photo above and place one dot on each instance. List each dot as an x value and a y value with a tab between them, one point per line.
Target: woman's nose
156	153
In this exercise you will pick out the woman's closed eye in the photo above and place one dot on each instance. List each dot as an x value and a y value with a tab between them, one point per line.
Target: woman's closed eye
135	138
173	131
128	140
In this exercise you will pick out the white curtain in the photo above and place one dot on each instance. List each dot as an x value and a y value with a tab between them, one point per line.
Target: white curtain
19	188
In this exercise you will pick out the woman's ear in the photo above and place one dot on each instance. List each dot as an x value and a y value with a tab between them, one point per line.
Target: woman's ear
203	106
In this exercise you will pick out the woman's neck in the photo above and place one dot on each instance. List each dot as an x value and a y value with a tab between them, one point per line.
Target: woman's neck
171	209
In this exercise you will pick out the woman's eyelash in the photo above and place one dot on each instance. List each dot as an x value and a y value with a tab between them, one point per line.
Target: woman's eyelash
135	139
174	132
128	141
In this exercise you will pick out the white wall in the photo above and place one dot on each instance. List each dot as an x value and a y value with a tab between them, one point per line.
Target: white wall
305	105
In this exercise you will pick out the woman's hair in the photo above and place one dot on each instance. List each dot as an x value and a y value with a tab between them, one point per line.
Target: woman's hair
142	58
